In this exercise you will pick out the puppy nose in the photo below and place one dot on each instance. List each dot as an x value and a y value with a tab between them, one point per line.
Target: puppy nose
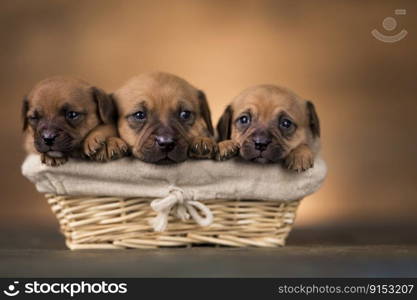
165	143
49	137
261	143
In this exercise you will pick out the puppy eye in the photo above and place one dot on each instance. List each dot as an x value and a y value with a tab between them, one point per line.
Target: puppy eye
72	115
185	115
139	115
285	123
33	118
244	119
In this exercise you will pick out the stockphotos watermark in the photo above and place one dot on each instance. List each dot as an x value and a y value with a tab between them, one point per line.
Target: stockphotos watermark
390	24
60	288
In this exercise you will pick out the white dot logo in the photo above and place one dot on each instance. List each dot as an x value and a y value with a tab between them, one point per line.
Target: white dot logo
12	290
390	24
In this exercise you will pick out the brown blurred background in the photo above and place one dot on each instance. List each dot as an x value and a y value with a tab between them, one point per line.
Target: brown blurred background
364	89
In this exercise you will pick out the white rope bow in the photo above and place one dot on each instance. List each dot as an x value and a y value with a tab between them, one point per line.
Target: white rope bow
183	207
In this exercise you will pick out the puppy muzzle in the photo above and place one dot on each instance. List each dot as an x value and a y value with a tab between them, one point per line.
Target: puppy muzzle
162	149
261	148
54	142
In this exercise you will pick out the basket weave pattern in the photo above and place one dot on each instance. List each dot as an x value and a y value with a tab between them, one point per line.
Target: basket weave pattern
118	223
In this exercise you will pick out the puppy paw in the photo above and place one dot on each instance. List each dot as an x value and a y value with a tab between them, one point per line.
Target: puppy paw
93	144
202	147
300	159
113	148
53	161
227	149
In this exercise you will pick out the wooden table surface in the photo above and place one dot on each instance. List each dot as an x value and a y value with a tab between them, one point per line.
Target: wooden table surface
39	251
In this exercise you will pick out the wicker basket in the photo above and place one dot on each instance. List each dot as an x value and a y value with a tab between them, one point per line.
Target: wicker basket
117	223
231	203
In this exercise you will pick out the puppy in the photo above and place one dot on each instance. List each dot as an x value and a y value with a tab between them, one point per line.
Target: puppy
67	117
164	119
270	124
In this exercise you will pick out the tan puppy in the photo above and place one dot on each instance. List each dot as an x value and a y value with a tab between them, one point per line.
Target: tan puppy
67	117
270	124
164	119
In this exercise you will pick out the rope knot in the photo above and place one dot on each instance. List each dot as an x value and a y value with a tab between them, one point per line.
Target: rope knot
183	207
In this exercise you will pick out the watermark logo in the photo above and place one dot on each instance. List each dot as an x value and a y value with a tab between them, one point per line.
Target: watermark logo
390	24
12	290
66	288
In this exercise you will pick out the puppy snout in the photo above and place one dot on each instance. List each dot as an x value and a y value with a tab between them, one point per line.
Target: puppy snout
261	142
49	137
165	143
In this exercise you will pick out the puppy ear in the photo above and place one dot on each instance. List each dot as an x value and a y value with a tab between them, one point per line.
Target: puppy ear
224	126
24	111
105	106
313	119
205	111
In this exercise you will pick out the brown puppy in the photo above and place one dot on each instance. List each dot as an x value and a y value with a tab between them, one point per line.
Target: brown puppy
67	117
164	119
270	124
